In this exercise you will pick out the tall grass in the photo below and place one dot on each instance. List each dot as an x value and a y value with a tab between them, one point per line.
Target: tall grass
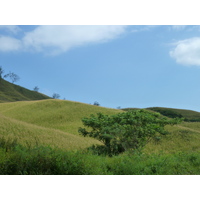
29	134
57	114
40	160
56	123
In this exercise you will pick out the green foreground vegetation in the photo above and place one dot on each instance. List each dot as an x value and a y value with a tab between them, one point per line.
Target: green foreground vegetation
19	160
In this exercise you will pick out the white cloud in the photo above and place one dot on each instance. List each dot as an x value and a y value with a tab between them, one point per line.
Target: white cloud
58	39
178	27
9	44
140	28
187	52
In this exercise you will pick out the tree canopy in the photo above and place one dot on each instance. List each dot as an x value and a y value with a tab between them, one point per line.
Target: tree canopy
130	130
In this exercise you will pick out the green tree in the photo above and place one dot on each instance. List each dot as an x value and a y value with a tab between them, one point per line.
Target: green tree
130	130
36	89
14	77
96	103
55	96
1	72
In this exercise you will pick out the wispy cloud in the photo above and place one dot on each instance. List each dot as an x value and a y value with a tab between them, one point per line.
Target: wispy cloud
140	28
187	52
178	27
8	44
59	39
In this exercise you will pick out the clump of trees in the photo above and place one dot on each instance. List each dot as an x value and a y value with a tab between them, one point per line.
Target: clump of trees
96	103
125	131
55	96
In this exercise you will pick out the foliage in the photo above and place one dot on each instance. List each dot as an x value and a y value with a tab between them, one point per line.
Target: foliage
14	77
16	159
125	131
1	72
96	103
55	96
36	89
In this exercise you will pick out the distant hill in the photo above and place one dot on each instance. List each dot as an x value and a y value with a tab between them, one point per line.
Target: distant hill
188	115
10	92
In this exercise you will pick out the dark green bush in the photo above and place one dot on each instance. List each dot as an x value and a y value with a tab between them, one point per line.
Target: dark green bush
125	131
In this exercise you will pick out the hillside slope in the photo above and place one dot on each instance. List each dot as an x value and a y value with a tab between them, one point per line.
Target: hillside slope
48	122
10	92
31	135
189	115
55	123
57	114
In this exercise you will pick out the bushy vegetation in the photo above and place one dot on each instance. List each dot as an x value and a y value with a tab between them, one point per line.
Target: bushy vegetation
124	131
16	159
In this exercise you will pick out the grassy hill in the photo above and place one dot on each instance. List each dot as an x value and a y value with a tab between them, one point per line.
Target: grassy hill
10	92
189	115
51	122
54	123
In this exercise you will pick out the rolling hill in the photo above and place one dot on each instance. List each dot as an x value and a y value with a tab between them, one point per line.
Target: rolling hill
55	123
10	92
48	122
188	115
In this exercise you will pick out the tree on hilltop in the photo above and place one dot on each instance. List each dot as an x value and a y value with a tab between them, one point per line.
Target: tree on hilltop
1	72
55	96
36	89
14	77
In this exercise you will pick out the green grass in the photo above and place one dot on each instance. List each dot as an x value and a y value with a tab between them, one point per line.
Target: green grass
57	114
180	139
47	138
56	122
39	160
10	92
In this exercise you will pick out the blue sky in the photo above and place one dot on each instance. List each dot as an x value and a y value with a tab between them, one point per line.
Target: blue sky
126	66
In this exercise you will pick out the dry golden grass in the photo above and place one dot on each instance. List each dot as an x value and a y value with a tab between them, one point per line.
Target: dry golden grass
29	134
48	122
58	114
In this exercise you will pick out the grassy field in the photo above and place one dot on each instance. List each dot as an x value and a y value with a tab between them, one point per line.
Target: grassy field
57	114
48	122
48	133
56	123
